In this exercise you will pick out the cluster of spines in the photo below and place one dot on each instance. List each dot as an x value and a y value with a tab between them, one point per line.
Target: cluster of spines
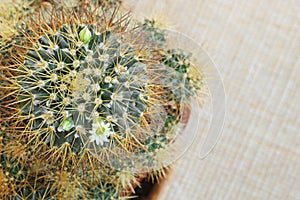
24	177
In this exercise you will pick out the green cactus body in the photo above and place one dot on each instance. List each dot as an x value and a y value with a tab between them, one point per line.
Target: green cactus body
76	76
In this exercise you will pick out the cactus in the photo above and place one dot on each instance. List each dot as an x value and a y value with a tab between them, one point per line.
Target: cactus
89	100
80	86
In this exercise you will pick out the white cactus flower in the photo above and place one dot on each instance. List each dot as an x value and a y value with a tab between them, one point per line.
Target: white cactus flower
100	131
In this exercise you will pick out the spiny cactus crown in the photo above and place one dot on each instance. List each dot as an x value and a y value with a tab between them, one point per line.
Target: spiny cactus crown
82	86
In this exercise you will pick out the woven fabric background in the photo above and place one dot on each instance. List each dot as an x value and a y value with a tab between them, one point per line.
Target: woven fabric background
256	46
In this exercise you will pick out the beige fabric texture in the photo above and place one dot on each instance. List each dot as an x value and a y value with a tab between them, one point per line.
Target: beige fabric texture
256	46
